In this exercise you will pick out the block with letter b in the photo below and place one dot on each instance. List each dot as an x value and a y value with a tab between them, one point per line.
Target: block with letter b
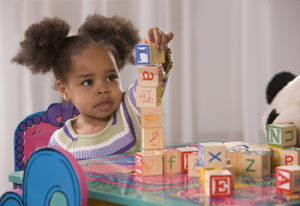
184	151
256	163
148	163
148	96
218	183
152	138
148	54
171	160
212	155
150	76
290	156
151	116
287	178
281	135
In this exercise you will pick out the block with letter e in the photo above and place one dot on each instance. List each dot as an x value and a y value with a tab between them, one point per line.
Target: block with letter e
146	54
218	183
148	163
184	151
151	116
256	163
290	156
148	96
287	178
281	135
212	155
150	76
171	160
153	138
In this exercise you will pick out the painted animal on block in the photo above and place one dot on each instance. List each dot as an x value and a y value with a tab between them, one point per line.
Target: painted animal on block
148	96
148	163
148	54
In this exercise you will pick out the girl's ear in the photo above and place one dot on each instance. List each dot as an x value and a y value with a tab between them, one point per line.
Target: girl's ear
63	90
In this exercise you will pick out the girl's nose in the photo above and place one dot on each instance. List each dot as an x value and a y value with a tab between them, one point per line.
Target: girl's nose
103	89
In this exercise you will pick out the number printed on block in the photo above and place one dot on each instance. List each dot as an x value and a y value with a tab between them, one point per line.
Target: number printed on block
151	116
150	76
148	54
153	138
256	163
148	163
171	160
148	96
212	155
290	156
184	151
218	183
288	178
281	135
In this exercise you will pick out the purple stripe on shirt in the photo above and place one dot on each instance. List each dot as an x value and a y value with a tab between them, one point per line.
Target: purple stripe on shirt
115	118
66	130
128	117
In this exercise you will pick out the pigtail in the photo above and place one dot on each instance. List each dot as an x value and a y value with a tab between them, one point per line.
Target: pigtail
118	32
42	44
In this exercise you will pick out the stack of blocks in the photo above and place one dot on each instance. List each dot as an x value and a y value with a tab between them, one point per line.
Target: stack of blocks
148	99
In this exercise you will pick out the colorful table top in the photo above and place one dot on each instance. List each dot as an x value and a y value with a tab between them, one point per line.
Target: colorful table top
113	179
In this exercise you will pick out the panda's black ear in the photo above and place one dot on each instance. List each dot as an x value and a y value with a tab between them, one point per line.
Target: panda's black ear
278	81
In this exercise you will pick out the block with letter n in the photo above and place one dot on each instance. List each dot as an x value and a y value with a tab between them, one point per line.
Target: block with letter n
218	183
281	135
184	151
147	54
171	160
148	163
212	155
290	156
150	76
256	163
287	178
148	96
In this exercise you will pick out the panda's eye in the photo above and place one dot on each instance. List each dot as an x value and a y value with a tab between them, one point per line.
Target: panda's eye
272	116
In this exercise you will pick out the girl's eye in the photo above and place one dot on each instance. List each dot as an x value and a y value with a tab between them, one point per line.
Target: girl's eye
111	78
87	82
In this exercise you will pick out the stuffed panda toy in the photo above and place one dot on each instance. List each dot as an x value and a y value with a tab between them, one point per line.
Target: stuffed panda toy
283	98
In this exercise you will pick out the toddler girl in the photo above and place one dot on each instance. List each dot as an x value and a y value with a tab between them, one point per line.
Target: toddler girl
87	71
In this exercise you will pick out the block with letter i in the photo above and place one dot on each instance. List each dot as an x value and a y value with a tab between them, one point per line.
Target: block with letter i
256	163
290	156
281	135
184	151
287	178
171	160
218	183
193	165
148	54
212	155
152	138
148	163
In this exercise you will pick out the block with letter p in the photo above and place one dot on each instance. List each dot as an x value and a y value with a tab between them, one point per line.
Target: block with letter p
281	135
148	163
184	151
256	163
148	96
218	183
287	178
148	54
150	76
212	155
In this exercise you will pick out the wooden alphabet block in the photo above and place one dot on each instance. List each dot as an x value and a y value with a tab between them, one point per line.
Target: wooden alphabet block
193	164
231	169
148	96
290	156
258	145
212	155
218	183
202	173
171	160
256	164
151	116
276	155
152	138
259	149
281	135
150	76
184	151
288	178
235	157
148	163
148	54
237	143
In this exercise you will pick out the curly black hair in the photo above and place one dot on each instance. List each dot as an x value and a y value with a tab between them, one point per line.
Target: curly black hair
47	46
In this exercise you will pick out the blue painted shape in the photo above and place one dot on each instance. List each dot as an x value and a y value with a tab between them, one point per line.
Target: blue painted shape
201	155
142	55
11	198
214	157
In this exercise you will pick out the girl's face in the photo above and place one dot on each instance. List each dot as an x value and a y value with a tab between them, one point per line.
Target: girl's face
94	84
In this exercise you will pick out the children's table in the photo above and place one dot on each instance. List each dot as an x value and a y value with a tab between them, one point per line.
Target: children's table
113	179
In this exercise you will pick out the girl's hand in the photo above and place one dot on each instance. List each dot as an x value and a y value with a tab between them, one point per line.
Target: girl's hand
155	35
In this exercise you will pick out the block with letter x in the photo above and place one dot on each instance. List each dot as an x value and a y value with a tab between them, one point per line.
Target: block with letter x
212	155
281	135
218	183
288	178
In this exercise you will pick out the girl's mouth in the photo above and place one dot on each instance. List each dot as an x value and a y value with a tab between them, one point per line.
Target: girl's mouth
104	105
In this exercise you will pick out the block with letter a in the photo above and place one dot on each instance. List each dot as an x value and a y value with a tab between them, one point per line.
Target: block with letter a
184	151
288	178
148	96
171	160
151	116
281	135
150	76
290	156
218	183
212	155
148	54
148	163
